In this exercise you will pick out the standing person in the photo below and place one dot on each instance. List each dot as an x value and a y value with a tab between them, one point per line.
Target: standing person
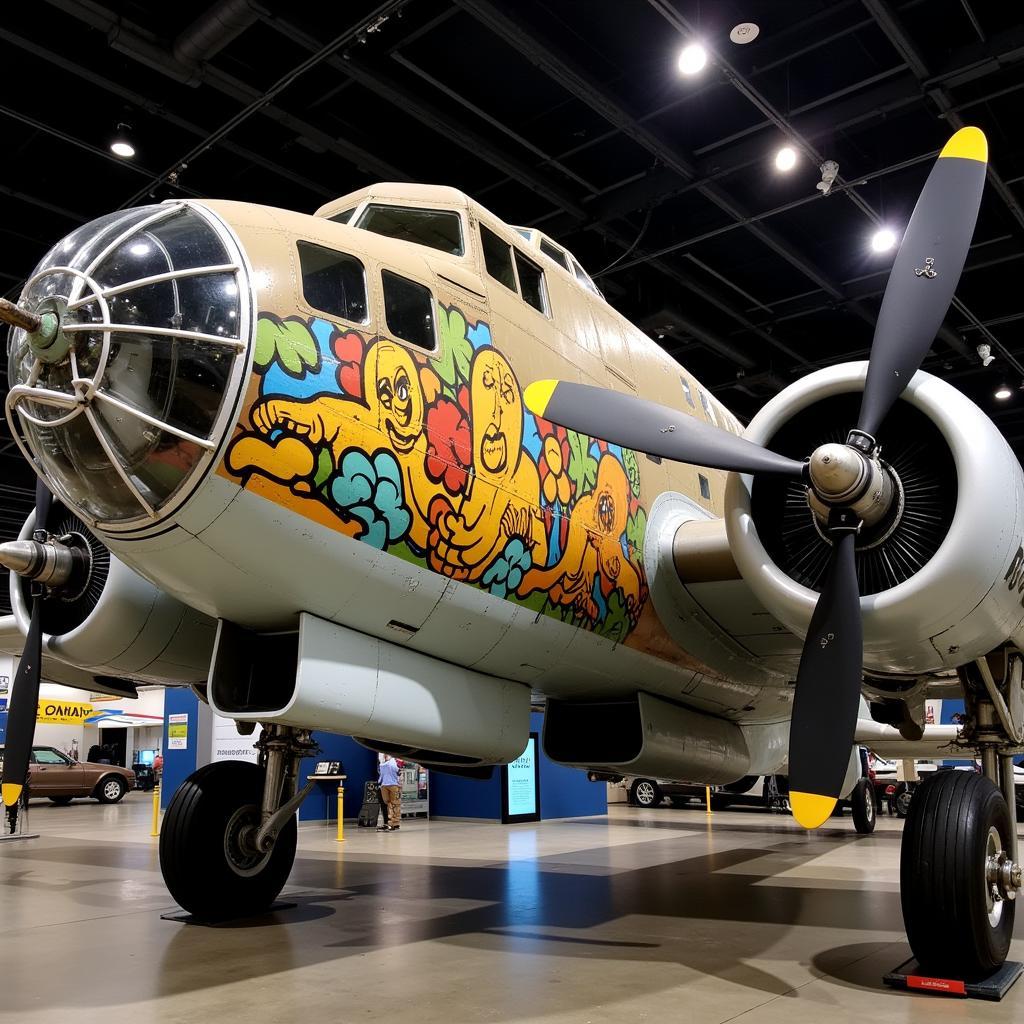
391	793
158	765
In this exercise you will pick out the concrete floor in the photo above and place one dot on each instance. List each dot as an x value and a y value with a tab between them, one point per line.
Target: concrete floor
641	915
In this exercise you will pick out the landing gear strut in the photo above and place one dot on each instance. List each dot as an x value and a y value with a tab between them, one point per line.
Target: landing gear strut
960	870
227	843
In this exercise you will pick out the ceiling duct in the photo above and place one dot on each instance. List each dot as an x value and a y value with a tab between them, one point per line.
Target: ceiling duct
214	29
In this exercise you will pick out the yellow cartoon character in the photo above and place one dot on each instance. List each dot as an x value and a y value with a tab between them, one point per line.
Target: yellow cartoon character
502	499
390	415
594	546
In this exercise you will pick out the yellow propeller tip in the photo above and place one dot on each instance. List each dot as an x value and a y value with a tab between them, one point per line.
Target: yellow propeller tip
538	394
811	809
968	144
11	793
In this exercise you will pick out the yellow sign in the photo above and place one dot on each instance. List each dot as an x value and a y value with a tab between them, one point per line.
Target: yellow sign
63	712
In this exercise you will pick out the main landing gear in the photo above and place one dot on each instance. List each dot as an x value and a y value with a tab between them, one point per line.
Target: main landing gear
960	870
227	842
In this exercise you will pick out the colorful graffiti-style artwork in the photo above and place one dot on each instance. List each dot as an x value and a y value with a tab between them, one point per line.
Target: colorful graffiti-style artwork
434	458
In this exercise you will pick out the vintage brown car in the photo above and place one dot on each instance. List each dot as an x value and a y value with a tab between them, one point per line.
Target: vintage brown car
55	775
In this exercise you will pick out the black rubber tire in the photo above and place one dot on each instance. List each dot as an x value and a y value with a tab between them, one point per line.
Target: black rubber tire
942	875
901	799
61	801
720	802
193	857
638	793
102	785
862	804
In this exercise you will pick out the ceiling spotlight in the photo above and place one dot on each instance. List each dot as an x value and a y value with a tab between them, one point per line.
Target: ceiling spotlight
985	354
121	144
785	159
883	240
1003	393
692	59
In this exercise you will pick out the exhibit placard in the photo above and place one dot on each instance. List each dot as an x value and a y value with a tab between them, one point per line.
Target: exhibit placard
230	745
177	732
520	786
6	673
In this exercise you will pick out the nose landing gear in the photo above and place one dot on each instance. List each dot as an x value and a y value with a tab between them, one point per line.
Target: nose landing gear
227	843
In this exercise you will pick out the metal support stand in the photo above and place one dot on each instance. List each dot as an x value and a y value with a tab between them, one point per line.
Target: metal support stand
21	829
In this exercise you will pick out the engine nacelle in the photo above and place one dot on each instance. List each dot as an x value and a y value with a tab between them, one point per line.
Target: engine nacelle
119	624
940	583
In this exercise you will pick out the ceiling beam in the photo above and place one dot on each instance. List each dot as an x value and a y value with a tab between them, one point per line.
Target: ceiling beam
890	24
563	70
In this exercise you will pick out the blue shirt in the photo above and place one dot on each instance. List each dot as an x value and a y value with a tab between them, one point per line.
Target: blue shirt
387	775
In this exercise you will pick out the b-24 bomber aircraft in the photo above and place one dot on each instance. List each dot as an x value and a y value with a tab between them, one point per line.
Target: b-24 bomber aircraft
388	469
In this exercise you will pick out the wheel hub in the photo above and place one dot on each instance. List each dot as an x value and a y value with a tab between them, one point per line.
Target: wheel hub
1002	876
240	849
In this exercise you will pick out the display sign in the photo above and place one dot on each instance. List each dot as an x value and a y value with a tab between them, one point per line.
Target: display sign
177	732
62	712
230	745
6	673
520	786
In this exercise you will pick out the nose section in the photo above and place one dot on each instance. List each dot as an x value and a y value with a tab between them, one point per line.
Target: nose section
126	354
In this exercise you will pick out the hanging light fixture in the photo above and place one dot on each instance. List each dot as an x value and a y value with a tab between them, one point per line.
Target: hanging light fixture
121	144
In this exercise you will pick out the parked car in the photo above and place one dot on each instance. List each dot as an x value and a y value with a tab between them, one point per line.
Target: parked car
54	775
643	792
898	794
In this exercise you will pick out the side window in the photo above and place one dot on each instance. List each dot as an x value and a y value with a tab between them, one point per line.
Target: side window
497	258
333	282
686	391
554	252
531	282
439	229
708	410
705	486
344	217
408	310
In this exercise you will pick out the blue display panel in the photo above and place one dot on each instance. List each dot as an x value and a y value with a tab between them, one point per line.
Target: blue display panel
520	786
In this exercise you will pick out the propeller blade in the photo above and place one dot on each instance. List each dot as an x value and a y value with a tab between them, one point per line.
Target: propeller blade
647	427
44	500
827	691
21	716
925	273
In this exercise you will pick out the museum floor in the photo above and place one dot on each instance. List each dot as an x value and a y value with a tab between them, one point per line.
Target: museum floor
640	915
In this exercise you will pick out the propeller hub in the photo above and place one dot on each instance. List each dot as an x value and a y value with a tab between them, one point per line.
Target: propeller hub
837	473
842	477
50	562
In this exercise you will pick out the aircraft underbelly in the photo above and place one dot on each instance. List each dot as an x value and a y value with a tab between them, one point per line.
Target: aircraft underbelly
259	566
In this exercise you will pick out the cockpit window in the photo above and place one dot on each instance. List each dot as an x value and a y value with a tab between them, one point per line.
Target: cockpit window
333	282
439	229
584	279
344	217
554	252
497	257
408	310
531	282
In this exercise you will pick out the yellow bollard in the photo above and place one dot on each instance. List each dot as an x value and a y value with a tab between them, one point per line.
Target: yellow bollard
156	811
341	813
707	798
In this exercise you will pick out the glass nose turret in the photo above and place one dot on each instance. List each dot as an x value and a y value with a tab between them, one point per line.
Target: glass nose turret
120	396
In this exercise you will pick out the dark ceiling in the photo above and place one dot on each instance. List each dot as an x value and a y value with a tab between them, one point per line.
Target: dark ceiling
566	114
